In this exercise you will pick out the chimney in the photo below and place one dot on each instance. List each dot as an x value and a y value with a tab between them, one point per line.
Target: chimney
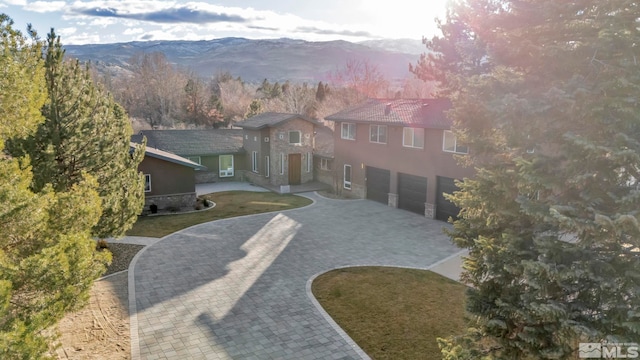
387	109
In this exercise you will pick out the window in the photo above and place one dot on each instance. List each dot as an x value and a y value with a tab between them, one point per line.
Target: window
254	161
347	177
348	131
226	165
294	137
412	137
309	162
195	159
267	163
378	134
324	164
450	144
147	182
281	163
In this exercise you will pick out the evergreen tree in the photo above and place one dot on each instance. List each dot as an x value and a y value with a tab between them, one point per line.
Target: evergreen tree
47	259
544	94
254	109
85	132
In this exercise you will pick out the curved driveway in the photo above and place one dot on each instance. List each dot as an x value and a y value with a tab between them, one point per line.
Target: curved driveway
236	288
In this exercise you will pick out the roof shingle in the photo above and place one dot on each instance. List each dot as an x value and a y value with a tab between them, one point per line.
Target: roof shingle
423	113
195	142
269	119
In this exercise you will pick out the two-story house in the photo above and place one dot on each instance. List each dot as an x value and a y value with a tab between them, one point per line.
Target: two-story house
279	148
399	152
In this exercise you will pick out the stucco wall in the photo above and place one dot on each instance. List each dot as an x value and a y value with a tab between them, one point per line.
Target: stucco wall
429	162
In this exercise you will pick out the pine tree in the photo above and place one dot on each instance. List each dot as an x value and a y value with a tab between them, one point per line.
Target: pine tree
85	132
47	259
254	108
544	95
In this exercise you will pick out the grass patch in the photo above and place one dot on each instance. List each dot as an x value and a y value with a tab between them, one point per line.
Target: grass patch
228	204
393	313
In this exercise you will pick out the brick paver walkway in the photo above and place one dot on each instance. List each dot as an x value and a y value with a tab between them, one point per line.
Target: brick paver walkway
237	288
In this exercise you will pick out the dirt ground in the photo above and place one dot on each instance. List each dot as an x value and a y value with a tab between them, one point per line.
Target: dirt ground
100	330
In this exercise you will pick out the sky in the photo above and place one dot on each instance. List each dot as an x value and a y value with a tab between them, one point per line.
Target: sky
95	22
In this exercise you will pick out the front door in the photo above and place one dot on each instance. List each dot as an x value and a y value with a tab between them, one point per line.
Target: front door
295	169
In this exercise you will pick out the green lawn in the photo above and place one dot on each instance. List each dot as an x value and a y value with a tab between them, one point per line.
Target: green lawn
393	313
228	204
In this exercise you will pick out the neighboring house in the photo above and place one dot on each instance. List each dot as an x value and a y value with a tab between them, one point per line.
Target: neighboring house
218	150
169	179
279	148
399	152
324	170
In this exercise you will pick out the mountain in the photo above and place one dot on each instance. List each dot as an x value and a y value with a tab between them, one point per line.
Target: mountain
255	60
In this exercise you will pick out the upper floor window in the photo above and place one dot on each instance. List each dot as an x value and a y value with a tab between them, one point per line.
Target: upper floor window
294	137
413	137
450	144
378	134
348	131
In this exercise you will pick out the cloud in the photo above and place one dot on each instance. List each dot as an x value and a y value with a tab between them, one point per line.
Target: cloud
16	2
169	15
45	6
263	28
133	31
315	30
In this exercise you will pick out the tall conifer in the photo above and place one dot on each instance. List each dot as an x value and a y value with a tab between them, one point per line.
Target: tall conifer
545	94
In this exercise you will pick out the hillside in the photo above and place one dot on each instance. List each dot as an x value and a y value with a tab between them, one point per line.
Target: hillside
255	60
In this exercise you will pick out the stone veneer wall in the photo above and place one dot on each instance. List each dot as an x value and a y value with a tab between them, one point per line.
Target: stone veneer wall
180	201
280	146
430	210
203	177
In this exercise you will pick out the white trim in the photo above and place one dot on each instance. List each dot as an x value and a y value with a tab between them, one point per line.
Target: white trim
378	127
455	143
228	172
267	164
349	135
254	161
147	182
346	184
413	138
309	162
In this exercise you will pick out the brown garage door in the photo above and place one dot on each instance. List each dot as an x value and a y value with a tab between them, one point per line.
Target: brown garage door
412	192
378	184
444	207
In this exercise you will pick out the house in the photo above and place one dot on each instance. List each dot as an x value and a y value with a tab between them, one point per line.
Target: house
399	152
218	150
169	179
279	148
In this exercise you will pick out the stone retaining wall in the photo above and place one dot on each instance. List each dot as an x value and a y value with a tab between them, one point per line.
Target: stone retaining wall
165	202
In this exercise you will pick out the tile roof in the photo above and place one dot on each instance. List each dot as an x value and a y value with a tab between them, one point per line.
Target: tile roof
270	119
424	113
167	156
194	142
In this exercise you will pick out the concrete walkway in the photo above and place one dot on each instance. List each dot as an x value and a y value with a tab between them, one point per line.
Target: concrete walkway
240	288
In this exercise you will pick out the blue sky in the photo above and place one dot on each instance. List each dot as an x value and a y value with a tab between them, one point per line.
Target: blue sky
90	22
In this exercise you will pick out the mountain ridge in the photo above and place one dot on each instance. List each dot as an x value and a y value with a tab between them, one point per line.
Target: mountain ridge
254	60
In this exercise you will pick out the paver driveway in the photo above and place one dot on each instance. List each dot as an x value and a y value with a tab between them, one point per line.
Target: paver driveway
236	288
